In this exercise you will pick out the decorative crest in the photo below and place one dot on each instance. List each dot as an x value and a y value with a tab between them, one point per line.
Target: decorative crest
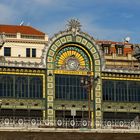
74	25
2	39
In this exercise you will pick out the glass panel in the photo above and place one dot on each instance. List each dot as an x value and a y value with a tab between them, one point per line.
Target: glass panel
33	52
121	91
68	87
21	89
35	87
7	51
27	52
15	86
6	88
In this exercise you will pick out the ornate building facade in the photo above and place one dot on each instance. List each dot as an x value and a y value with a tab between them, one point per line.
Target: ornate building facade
70	76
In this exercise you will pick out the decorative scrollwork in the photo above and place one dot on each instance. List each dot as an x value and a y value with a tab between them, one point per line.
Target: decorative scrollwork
2	39
74	25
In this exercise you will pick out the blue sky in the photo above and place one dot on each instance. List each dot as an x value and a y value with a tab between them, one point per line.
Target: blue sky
103	19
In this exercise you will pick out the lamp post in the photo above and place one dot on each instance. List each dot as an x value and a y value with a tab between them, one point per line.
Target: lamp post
83	108
63	109
29	110
88	82
0	106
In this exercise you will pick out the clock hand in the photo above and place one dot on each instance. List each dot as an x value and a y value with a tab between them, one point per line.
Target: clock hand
72	63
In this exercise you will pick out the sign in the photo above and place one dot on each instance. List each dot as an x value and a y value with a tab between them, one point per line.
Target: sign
71	72
73	112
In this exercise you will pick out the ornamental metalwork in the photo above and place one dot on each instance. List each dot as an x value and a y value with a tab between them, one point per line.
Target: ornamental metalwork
68	123
72	63
17	86
72	58
74	25
121	91
85	54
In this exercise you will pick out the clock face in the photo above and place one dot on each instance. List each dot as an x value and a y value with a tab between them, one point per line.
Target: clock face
72	63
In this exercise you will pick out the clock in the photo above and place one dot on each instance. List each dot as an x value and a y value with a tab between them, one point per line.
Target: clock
72	64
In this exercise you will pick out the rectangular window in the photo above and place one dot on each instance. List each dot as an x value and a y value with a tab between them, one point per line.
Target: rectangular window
30	52
121	91
119	49
68	87
7	51
106	48
33	52
27	52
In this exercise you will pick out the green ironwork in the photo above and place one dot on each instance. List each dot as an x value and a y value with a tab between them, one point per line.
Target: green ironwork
18	86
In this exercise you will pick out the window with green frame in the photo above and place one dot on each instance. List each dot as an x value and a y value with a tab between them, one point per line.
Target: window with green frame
68	87
121	91
18	86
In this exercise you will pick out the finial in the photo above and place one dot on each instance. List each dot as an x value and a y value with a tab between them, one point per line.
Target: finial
74	25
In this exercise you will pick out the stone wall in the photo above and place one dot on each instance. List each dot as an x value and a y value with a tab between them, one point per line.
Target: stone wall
67	136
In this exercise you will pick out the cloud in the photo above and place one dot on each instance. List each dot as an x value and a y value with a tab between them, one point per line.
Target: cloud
46	2
54	27
51	3
98	17
90	24
98	31
127	15
7	14
120	2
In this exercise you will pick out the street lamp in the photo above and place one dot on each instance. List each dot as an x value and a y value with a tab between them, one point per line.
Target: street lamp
63	109
88	82
0	106
83	108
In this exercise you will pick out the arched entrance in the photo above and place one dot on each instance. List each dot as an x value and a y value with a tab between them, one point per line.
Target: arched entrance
71	57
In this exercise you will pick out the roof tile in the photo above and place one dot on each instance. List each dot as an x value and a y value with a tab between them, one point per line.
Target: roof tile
13	29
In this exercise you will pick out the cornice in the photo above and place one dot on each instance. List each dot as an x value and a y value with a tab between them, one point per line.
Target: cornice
123	71
26	41
21	64
10	70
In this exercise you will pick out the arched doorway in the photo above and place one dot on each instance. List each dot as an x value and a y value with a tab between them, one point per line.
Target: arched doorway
71	56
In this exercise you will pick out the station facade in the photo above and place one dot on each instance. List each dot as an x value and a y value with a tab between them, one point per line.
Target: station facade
70	76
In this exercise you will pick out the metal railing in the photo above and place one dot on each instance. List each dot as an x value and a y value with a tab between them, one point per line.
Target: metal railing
39	123
68	123
119	124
